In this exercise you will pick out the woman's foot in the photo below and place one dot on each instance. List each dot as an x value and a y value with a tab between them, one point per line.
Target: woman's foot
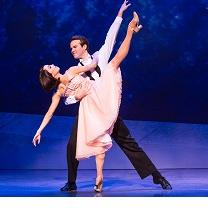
134	24
99	184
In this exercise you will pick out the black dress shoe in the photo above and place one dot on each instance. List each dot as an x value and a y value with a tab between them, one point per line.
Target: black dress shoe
69	187
163	182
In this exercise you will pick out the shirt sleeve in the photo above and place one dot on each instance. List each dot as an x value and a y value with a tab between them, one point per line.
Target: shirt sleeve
106	50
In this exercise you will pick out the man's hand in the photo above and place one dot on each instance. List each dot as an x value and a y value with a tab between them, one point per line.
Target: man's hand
124	7
83	90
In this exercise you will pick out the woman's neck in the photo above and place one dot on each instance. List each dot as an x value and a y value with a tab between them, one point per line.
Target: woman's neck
63	79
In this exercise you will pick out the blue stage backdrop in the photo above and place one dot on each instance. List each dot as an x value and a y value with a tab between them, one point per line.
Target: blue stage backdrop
165	76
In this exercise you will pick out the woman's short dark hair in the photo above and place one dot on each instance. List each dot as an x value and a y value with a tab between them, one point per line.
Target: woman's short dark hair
83	40
47	81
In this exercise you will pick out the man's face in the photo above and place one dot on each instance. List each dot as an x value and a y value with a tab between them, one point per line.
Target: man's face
76	49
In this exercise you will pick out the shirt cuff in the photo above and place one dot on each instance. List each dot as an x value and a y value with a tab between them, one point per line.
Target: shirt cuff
70	100
118	19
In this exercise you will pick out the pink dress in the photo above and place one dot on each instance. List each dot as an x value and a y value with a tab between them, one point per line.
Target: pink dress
98	110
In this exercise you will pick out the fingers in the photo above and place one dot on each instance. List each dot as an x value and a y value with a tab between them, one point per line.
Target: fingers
36	140
127	4
34	143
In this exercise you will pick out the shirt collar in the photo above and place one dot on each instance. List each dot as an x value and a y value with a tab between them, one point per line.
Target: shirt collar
86	59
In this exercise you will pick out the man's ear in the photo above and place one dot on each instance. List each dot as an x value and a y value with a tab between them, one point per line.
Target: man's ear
85	46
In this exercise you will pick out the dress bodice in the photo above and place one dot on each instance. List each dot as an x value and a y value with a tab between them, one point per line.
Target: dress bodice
76	85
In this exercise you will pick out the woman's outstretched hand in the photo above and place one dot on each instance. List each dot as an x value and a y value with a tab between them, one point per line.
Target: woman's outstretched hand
36	139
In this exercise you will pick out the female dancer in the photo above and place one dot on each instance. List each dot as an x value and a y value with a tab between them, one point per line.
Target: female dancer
99	105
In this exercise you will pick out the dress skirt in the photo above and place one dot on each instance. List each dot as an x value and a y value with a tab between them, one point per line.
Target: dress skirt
98	111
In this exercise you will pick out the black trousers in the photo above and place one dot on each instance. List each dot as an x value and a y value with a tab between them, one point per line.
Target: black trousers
139	159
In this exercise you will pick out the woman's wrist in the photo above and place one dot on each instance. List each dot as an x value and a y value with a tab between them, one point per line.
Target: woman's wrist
38	131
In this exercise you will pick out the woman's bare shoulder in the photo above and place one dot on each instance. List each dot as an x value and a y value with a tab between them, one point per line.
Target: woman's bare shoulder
61	89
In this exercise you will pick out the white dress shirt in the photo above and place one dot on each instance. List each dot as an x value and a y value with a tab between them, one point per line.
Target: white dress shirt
103	54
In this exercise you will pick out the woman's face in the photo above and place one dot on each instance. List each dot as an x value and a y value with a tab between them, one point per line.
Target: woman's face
53	70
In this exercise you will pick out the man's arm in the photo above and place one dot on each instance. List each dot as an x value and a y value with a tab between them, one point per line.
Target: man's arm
78	70
106	49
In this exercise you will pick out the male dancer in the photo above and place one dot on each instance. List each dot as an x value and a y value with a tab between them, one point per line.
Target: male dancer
141	162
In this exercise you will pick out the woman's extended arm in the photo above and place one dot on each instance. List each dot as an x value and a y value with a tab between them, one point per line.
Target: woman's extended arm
55	101
80	69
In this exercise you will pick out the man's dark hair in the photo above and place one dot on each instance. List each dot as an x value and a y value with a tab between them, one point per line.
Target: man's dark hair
47	81
83	40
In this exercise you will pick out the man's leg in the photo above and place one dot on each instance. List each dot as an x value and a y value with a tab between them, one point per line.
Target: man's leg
139	159
72	162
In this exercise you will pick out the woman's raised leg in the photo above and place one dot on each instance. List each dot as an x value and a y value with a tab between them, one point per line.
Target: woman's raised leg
124	48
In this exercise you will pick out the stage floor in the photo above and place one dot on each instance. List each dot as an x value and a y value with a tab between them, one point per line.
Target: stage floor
117	183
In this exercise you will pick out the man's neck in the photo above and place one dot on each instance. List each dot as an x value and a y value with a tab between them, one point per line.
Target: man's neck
85	56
